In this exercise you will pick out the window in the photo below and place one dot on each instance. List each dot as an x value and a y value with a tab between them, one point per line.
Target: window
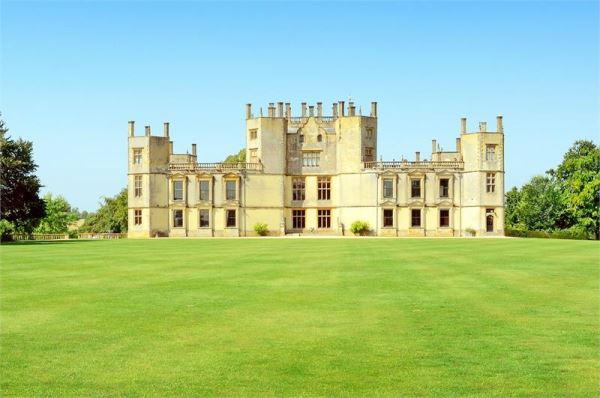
324	188
178	218
301	138
489	220
415	188
204	220
369	133
388	217
324	218
388	188
490	152
230	190
311	159
369	154
137	217
415	218
230	218
204	190
253	134
177	190
137	156
298	219
298	191
490	185
444	218
253	155
444	186
319	138
137	184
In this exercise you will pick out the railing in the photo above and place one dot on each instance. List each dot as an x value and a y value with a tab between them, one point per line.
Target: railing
405	164
220	166
40	236
102	235
302	120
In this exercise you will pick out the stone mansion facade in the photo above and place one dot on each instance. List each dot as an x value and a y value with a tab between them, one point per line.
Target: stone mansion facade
316	174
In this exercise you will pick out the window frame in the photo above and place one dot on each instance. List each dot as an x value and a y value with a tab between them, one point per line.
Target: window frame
253	134
490	152
228	212
298	189
207	190
412	188
323	188
138	189
175	218
298	219
137	217
137	156
311	159
228	190
390	194
446	193
200	212
441	217
490	182
324	218
412	218
174	185
387	218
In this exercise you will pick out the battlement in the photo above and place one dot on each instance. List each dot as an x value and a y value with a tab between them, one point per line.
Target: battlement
338	109
147	131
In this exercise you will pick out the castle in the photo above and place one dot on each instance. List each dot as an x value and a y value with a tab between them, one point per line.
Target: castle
316	174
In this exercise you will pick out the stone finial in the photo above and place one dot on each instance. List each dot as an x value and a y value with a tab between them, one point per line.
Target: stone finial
131	128
166	129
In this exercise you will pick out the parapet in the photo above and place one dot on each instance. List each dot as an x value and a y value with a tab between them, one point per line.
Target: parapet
338	110
147	129
482	126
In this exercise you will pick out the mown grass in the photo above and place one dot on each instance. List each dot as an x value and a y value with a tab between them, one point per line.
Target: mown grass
300	317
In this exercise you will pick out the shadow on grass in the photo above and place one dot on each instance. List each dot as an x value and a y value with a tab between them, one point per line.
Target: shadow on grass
51	242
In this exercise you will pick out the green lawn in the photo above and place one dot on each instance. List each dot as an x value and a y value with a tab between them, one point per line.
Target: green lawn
300	317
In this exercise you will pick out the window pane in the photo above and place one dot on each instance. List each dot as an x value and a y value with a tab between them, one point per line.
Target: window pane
388	188
444	187
230	190
178	218
388	218
415	188
204	221
444	218
231	218
298	188
416	218
204	190
178	190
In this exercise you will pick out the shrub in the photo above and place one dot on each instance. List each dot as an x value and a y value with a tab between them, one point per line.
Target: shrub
6	230
261	229
471	232
571	233
360	227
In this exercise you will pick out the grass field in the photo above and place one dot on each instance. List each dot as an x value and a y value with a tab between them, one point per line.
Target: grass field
300	317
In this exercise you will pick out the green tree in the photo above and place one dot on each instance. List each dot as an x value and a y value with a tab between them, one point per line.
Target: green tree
19	186
110	217
513	197
58	215
578	178
239	157
540	206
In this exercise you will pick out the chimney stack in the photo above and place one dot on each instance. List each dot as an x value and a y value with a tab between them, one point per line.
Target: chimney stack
303	109
131	128
271	109
248	111
319	109
280	109
373	109
166	129
482	127
147	128
351	109
342	110
463	125
288	110
499	126
193	149
433	146
418	156
171	147
311	111
334	110
458	145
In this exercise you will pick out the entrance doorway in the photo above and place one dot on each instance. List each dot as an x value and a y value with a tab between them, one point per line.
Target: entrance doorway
489	220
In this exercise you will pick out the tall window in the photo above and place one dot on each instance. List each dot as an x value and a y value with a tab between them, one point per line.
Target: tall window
369	154
301	138
388	188
298	219
204	219
415	218
311	159
178	218
137	156
415	188
369	132
137	217
324	218
444	187
177	190
231	222
253	155
298	192
253	134
444	218
324	188
490	182
490	152
230	190
137	184
204	190
388	217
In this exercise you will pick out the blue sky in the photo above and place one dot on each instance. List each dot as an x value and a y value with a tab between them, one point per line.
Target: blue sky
73	74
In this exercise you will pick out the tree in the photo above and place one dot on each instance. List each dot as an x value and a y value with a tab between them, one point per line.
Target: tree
510	211
540	206
58	215
19	186
110	217
578	178
239	157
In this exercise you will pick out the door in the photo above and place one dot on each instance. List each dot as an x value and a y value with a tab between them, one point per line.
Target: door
489	223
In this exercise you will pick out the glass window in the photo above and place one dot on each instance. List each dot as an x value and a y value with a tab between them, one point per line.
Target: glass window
324	188
490	152
415	218
253	155
137	217
490	185
137	156
388	217
298	188
177	190
324	218
444	218
311	159
178	218
231	218
415	188
253	134
204	190
298	219
204	220
137	183
230	190
444	187
369	154
388	188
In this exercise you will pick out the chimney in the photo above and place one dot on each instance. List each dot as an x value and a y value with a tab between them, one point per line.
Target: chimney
131	127
147	128
433	146
303	109
458	145
193	149
499	126
482	127
334	110
463	125
342	110
319	109
280	109
288	110
166	129
248	111
373	109
418	156
311	111
271	109
171	147
351	109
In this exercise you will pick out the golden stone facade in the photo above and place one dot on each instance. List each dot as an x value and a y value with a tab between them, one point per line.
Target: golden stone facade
315	175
